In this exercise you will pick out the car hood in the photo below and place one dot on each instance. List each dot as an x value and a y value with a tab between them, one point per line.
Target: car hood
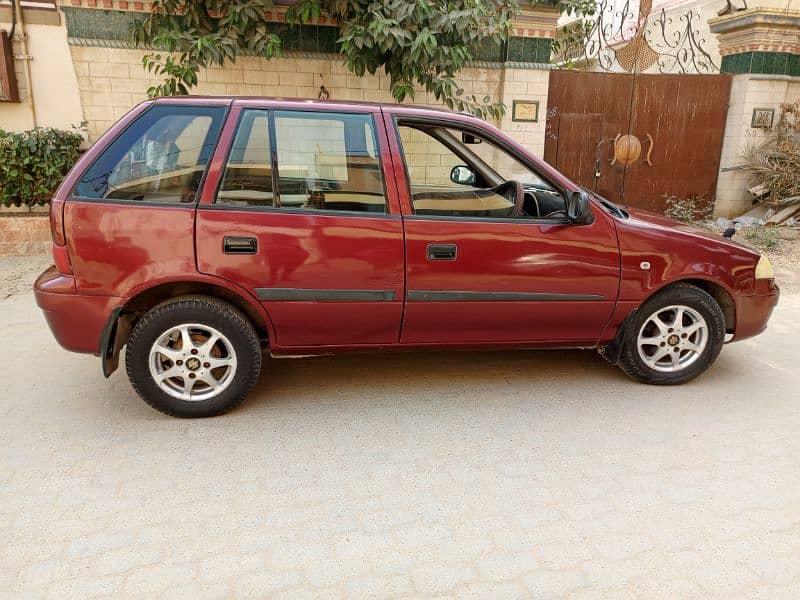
647	219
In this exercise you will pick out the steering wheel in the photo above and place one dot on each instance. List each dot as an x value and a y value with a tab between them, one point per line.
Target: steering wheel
515	192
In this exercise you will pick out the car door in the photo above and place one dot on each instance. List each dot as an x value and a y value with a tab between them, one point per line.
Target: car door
296	211
479	268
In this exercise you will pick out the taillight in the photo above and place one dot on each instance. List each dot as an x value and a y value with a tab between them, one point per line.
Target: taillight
60	252
57	222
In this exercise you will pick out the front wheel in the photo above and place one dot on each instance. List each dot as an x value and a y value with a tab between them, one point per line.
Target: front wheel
193	357
675	336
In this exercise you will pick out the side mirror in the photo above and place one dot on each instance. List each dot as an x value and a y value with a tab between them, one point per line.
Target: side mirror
462	175
578	210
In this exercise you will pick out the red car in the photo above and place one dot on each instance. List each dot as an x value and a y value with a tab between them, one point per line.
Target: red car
202	232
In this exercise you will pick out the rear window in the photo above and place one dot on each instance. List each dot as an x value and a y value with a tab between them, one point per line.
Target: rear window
161	157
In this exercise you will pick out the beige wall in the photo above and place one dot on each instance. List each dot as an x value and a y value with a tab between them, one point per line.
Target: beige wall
747	92
55	92
111	81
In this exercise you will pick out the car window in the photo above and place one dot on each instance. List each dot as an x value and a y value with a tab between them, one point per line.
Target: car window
328	161
247	178
161	157
436	156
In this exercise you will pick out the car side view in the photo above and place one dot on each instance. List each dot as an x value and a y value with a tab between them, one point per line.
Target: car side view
203	232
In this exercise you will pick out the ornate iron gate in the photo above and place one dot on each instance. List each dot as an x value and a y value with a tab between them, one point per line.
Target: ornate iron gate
650	123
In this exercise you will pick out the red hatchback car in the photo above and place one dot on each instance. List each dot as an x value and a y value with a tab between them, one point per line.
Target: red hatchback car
201	232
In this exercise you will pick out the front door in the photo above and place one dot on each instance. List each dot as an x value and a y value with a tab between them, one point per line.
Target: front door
486	265
301	218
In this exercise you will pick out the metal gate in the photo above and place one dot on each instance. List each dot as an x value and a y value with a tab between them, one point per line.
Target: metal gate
637	138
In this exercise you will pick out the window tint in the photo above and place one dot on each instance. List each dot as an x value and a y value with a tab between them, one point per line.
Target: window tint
450	177
328	161
161	157
248	174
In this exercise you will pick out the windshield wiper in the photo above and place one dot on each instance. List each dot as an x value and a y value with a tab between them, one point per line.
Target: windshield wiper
609	205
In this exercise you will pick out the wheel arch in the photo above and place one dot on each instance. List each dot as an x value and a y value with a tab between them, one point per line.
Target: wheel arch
124	318
721	296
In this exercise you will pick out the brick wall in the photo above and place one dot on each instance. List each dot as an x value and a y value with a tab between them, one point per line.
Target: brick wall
23	236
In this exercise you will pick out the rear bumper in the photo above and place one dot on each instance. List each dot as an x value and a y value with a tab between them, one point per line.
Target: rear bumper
753	312
76	320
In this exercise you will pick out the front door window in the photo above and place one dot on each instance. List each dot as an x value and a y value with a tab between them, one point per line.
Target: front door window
455	173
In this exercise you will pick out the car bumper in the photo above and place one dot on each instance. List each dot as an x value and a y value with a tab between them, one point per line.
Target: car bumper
753	312
76	320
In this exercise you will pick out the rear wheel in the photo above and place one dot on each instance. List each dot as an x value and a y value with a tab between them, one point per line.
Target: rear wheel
675	336
193	357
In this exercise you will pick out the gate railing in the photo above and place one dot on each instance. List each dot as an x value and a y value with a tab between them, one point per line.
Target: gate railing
640	41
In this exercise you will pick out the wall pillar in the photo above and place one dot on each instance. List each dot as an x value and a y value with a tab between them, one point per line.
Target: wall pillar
761	48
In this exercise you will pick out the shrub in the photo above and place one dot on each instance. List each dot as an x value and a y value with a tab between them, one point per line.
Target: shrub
763	238
33	163
688	210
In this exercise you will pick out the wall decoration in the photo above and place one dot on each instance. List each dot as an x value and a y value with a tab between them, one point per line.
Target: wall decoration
762	118
525	111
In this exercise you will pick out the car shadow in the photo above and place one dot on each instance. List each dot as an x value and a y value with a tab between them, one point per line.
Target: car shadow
444	374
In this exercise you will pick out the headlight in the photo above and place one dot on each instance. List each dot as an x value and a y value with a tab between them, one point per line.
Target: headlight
764	269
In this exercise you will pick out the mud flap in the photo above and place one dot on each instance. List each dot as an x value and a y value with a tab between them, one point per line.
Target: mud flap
115	334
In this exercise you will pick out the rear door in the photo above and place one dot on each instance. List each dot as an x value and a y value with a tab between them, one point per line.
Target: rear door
296	210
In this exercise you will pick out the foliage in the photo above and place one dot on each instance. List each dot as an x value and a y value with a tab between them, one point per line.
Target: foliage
417	43
774	162
569	46
688	210
33	163
763	238
196	34
421	42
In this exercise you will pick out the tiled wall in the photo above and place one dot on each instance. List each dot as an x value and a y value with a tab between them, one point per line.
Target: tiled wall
114	25
774	63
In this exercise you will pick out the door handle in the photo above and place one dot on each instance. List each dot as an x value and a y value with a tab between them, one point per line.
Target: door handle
442	251
239	245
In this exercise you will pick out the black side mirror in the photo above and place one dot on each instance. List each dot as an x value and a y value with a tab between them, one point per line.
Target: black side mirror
578	210
462	175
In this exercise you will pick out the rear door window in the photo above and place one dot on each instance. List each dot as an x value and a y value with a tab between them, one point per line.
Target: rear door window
160	158
324	162
328	161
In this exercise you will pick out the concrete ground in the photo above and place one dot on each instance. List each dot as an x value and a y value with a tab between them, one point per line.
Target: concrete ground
489	475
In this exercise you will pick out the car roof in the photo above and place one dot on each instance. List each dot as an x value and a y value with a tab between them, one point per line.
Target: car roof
333	104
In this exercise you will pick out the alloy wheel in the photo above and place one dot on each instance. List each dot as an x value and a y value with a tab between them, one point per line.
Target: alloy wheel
672	338
192	362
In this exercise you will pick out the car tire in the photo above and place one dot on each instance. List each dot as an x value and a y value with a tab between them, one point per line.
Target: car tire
673	337
193	357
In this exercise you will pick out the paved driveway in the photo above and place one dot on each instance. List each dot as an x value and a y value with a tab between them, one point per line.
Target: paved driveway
491	475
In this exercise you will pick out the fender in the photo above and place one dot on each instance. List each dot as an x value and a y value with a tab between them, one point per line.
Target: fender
121	320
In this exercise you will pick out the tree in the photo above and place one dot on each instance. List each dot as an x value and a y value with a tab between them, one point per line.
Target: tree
416	42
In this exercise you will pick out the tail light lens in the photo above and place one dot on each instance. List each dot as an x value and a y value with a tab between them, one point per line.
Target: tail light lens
60	253
57	222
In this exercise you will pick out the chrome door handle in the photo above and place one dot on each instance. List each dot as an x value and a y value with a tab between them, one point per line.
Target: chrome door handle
239	245
442	251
